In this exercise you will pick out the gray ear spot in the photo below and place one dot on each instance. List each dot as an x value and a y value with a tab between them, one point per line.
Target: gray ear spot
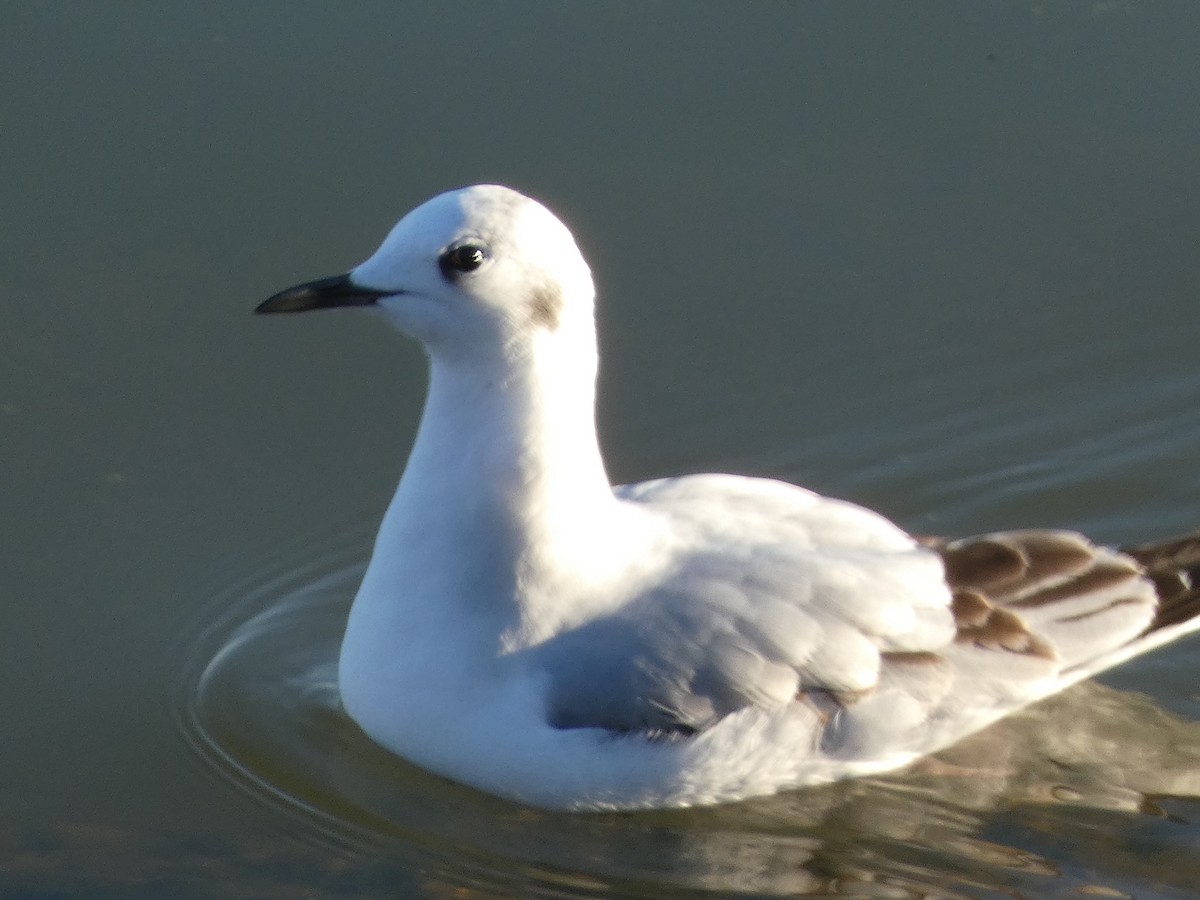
545	305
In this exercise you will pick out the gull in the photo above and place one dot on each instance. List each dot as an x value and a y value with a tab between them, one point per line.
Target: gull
529	629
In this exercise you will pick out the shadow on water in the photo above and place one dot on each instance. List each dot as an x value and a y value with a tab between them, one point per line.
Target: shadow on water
1066	798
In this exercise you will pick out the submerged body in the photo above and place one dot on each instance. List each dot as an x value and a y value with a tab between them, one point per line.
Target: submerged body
526	628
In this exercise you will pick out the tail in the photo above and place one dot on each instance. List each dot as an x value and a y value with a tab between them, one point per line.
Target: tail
1174	567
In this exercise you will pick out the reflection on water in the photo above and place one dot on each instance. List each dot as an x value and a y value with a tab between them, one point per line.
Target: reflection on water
120	862
1063	799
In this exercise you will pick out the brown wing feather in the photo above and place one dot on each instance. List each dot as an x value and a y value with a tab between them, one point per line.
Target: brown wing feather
1000	580
1051	598
1174	567
1037	593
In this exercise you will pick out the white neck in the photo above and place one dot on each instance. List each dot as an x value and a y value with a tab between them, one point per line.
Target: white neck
504	474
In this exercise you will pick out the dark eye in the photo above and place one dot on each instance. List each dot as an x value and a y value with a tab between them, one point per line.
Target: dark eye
461	259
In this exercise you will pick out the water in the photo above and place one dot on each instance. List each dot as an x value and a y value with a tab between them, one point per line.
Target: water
937	259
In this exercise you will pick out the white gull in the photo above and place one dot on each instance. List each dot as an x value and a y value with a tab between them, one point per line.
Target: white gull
526	628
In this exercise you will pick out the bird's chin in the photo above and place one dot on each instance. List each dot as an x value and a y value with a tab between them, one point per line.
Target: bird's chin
424	326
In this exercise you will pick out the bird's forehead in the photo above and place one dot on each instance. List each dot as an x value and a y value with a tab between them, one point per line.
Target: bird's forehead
511	225
485	212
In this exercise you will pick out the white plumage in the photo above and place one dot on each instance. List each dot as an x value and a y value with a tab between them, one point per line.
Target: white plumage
528	629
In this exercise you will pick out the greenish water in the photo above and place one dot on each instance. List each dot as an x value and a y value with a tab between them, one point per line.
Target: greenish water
934	257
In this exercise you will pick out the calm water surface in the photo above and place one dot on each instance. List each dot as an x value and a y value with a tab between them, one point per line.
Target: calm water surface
940	259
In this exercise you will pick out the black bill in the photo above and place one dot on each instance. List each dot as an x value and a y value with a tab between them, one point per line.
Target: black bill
324	293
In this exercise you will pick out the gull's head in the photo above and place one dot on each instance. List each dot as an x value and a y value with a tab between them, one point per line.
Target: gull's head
477	266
